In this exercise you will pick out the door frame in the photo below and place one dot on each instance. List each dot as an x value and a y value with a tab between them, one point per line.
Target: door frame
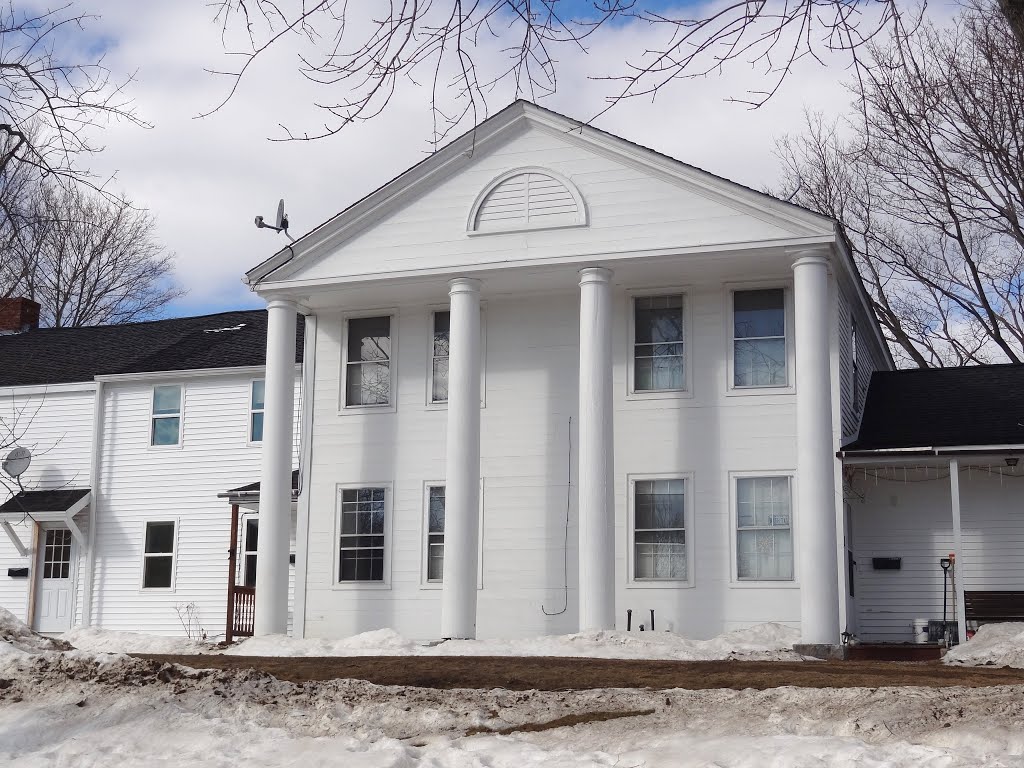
41	527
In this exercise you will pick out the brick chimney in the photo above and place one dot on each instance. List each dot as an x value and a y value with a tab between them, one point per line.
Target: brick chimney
17	315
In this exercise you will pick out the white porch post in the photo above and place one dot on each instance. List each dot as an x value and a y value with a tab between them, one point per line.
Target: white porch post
958	548
596	510
276	474
462	463
815	463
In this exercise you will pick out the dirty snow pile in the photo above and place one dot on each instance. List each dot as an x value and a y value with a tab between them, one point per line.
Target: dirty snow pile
16	639
998	645
94	640
764	641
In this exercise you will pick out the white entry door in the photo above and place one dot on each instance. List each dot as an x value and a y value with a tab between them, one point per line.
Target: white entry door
55	581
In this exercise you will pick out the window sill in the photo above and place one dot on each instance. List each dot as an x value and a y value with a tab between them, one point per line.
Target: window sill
660	584
362	410
788	389
764	585
660	394
176	447
356	586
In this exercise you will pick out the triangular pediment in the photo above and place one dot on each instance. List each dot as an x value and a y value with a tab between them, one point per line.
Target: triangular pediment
531	184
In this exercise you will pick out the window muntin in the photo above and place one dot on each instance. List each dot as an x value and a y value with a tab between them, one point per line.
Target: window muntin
361	543
435	533
759	338
658	363
166	418
249	540
764	529
368	364
158	555
257	397
659	533
57	554
439	357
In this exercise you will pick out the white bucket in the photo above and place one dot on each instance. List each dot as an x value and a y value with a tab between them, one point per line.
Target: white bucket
920	630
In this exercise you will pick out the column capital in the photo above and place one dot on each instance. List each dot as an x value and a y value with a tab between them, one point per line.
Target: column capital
595	275
463	285
281	303
812	255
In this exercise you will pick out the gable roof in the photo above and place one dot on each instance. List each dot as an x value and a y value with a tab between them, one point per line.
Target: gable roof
933	408
66	355
463	148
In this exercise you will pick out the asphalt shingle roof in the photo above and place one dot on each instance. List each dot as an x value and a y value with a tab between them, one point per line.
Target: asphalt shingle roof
64	355
941	407
33	502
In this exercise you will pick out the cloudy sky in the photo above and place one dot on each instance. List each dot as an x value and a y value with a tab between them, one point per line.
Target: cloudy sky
206	178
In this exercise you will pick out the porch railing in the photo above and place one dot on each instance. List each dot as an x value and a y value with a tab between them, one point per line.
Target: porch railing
244	609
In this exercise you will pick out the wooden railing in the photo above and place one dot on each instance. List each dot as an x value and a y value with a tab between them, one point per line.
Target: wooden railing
244	609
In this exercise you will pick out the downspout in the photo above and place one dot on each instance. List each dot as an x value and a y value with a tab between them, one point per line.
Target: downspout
94	482
305	465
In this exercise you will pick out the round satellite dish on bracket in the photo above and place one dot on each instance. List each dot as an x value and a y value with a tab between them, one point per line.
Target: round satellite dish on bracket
17	461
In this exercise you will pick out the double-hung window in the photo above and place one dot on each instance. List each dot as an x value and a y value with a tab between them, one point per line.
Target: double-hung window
764	529
368	363
659	529
435	533
249	540
165	428
361	545
158	555
256	404
759	338
439	358
658	363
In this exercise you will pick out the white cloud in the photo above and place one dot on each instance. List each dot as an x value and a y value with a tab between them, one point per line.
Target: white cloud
205	179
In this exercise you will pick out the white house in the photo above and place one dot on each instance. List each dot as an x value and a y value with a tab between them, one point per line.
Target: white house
134	430
557	377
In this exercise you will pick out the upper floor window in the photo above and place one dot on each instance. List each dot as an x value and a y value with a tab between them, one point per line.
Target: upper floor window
368	361
256	402
158	556
439	358
527	199
165	427
759	338
659	529
764	529
658	363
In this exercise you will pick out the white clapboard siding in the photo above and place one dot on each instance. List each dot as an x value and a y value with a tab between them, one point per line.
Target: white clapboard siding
870	357
912	520
57	427
531	384
143	483
527	200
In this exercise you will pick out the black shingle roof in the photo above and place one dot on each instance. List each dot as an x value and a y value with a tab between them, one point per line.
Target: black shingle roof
33	502
254	488
941	407
63	355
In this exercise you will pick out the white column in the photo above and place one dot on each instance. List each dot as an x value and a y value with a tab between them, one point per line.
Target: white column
462	463
815	461
276	474
958	548
596	510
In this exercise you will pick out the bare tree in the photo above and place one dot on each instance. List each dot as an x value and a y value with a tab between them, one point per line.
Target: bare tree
360	53
927	176
49	106
87	258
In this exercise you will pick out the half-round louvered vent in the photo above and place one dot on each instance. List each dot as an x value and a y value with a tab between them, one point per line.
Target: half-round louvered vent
528	200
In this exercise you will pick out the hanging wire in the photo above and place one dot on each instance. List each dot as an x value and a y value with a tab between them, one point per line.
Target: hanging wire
565	546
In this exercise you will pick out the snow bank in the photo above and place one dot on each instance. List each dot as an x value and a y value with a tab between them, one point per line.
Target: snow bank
999	645
16	638
94	640
764	641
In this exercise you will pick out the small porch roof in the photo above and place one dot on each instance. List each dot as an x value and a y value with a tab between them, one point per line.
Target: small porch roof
250	494
45	506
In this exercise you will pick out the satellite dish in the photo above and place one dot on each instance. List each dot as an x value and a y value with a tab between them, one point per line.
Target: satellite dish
17	461
280	222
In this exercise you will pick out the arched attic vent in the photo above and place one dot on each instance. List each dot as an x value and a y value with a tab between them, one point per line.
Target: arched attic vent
527	198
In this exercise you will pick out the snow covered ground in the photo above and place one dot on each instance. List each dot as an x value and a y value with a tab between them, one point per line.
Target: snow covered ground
998	645
84	708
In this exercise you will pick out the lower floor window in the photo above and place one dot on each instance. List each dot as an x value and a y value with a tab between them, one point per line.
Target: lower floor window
251	535
435	533
158	558
361	546
659	535
764	532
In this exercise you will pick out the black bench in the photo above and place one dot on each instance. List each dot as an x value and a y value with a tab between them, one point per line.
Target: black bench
987	607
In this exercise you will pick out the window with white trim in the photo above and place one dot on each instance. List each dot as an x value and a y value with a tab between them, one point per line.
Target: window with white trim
368	361
658	363
158	555
435	533
439	357
250	537
759	338
165	426
764	529
257	395
361	543
659	529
